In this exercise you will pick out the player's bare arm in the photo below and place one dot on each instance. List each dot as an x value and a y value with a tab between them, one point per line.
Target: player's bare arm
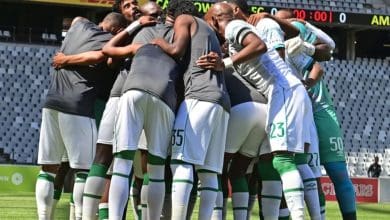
315	76
183	29
112	48
115	48
253	47
61	60
285	25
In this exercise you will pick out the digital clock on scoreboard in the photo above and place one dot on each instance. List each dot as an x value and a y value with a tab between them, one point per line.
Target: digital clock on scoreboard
321	16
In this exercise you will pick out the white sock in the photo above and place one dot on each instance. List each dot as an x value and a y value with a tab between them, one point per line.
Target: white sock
134	199
271	195
119	189
93	190
78	190
156	191
208	194
144	199
181	188
217	212
240	204
293	193
44	191
310	191
53	208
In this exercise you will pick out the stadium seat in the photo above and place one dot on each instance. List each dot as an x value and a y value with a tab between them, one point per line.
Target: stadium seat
23	86
359	101
45	37
6	34
53	38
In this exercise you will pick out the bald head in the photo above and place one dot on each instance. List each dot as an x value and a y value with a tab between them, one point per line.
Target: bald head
218	16
221	8
217	11
152	9
284	14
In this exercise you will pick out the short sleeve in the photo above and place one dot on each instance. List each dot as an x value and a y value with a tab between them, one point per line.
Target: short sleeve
236	31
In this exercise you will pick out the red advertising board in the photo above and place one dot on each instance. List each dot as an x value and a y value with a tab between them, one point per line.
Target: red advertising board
366	189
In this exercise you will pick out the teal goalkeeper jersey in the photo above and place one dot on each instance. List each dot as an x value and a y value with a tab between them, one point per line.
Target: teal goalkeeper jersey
319	92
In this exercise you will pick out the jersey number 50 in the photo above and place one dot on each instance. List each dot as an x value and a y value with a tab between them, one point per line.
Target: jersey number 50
337	144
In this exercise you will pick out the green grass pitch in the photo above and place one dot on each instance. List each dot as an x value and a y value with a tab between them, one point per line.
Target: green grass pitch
22	206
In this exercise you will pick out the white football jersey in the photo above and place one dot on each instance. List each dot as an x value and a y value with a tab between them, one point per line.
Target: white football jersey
271	33
263	71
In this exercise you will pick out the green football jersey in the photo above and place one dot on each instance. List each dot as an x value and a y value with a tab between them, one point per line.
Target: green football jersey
319	95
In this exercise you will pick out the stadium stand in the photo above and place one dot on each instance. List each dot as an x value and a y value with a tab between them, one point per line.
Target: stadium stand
360	89
24	80
361	92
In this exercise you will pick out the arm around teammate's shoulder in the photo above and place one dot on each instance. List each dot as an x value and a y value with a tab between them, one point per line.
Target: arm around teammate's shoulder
182	37
114	48
253	47
315	75
61	60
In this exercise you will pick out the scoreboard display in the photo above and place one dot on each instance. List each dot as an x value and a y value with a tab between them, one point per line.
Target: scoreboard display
318	16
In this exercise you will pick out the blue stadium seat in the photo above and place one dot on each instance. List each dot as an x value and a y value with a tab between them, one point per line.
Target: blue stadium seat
363	105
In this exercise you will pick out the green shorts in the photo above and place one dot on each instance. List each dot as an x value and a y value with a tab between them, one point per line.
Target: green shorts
99	109
329	135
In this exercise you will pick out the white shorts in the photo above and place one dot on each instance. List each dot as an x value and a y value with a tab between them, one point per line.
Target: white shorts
246	128
199	134
106	127
137	111
288	118
265	148
73	134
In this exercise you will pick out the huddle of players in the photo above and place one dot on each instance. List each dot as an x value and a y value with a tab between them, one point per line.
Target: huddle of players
268	107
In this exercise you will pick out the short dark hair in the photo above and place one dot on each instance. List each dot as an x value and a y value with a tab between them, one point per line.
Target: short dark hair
116	19
243	5
179	7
